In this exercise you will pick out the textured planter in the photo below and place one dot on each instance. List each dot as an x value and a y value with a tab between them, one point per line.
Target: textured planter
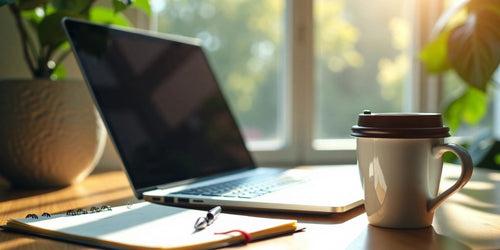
50	133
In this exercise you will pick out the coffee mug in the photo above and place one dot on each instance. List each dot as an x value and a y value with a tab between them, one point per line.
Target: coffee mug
400	163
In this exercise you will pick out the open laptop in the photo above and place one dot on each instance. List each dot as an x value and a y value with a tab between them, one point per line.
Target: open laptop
175	134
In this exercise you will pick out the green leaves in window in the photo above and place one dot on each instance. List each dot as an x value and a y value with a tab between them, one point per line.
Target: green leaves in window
469	108
474	47
107	16
142	5
470	47
120	5
434	55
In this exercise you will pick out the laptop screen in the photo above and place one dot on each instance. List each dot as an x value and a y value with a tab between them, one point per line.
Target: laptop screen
161	103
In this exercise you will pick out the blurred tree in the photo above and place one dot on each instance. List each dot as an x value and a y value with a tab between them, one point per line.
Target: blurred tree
356	50
244	41
245	44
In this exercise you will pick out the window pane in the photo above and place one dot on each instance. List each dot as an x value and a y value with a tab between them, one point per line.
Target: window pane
362	61
244	43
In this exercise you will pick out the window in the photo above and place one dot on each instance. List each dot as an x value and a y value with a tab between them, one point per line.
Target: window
245	43
361	59
297	73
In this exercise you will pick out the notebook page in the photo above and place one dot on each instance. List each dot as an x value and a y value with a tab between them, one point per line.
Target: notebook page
147	225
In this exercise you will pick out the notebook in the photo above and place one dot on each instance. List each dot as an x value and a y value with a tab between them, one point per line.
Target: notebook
175	134
149	226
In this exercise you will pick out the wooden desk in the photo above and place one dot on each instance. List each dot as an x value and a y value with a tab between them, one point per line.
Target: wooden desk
468	220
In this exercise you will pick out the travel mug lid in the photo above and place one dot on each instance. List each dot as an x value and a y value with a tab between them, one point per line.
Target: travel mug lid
400	125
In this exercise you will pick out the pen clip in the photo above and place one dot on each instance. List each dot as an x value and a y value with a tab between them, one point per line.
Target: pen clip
212	214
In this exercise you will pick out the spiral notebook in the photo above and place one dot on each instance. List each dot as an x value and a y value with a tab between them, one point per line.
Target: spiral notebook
149	226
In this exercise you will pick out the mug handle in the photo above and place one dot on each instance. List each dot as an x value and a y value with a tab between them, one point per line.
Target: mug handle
465	176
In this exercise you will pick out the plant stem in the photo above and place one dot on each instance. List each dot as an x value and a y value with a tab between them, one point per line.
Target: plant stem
44	71
32	46
62	56
22	31
50	51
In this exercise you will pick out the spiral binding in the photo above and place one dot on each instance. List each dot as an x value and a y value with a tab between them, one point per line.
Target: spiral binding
92	210
73	212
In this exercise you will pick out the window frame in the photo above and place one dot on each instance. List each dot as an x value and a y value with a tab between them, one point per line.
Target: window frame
424	91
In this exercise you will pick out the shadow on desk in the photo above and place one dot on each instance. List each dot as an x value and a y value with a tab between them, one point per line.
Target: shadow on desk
115	191
383	238
334	218
8	193
482	190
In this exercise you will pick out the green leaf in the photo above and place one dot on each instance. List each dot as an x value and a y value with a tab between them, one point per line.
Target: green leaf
31	17
469	108
76	7
107	16
434	55
65	46
473	48
120	5
58	73
142	5
496	159
50	31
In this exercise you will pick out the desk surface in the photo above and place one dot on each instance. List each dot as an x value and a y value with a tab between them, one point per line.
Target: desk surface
470	219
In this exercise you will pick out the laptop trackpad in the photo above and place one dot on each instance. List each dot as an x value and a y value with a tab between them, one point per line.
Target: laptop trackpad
329	186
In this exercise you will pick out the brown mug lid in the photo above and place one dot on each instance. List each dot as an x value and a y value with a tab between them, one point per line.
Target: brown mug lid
400	125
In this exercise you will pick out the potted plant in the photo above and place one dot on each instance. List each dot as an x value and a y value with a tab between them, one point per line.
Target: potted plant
51	133
466	40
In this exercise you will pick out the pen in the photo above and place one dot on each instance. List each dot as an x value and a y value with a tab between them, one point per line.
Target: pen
204	222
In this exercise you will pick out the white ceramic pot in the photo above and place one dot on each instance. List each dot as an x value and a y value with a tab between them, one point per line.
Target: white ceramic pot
51	135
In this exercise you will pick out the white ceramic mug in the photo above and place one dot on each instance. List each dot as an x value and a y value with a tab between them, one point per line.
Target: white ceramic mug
400	163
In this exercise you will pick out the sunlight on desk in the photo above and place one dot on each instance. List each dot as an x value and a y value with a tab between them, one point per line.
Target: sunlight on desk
92	191
469	219
473	214
494	177
383	238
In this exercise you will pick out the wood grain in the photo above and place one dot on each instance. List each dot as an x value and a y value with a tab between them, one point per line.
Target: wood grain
470	219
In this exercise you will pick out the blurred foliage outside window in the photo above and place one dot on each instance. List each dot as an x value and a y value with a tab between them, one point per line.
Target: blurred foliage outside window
361	57
361	61
464	51
244	41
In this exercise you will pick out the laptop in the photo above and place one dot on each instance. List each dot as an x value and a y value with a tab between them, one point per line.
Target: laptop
174	131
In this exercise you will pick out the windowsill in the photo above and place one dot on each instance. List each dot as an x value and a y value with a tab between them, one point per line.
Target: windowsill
334	144
265	145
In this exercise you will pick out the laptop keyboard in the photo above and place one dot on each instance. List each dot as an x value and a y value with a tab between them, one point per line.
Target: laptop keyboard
248	187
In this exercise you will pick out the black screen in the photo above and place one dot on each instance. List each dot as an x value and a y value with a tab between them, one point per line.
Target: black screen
161	103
